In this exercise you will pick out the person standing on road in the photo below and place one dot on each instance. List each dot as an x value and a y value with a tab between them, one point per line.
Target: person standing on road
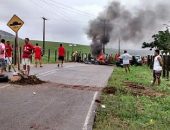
61	55
38	55
2	57
126	60
8	55
27	54
157	68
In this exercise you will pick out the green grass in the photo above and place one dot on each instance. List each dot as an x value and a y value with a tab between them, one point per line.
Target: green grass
127	112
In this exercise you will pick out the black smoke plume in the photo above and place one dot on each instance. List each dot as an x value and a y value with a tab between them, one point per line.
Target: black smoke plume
116	21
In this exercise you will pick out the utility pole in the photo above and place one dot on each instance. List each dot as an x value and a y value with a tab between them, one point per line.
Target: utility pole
119	46
44	19
104	37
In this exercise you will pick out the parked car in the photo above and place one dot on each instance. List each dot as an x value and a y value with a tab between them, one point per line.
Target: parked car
119	63
136	60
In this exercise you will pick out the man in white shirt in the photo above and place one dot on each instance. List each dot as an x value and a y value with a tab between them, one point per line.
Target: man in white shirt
2	57
157	68
126	60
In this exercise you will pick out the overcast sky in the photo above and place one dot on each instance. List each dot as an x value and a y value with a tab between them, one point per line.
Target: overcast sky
67	19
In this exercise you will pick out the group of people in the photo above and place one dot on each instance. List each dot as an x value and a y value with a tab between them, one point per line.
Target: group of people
28	51
157	65
5	56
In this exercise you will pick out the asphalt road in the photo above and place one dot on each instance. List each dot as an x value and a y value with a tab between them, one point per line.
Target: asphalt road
51	106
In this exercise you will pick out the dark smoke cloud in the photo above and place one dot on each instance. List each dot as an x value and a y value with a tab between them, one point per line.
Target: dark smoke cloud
131	26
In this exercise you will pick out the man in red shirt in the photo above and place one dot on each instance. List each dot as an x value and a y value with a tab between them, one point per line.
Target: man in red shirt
8	54
27	54
61	55
38	55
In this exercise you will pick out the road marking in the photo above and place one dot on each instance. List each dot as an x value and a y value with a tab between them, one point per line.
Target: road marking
5	86
85	126
53	71
44	74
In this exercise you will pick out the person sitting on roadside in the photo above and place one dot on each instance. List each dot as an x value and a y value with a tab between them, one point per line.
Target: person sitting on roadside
2	57
8	55
126	60
157	68
27	55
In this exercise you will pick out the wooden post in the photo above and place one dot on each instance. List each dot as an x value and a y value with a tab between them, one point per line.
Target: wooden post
82	55
151	62
20	52
48	55
68	56
15	49
148	60
167	68
17	59
55	55
164	66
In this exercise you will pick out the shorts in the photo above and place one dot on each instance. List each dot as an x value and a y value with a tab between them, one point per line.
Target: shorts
8	60
157	74
61	58
38	58
26	61
2	63
126	65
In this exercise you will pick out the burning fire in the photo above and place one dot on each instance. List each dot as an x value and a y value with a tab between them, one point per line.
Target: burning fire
101	58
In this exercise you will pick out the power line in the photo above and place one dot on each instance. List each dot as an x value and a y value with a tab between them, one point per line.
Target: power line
59	4
51	12
53	5
61	12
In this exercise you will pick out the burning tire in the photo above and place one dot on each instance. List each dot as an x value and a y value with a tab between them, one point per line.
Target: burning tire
3	78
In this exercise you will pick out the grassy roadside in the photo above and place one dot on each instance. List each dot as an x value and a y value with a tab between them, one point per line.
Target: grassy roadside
132	104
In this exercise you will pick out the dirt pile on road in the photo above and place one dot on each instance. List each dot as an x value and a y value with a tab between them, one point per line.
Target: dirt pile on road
27	80
80	87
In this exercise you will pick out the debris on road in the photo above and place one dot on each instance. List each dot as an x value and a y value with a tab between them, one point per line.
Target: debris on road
34	93
3	78
80	87
103	106
34	126
26	80
98	101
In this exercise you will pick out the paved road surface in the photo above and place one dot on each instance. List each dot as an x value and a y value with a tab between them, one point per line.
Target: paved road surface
53	107
76	74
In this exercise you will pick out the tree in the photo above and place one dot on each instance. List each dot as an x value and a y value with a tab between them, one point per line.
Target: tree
160	41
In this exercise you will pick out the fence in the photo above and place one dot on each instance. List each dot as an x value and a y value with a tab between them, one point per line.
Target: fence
166	64
51	56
